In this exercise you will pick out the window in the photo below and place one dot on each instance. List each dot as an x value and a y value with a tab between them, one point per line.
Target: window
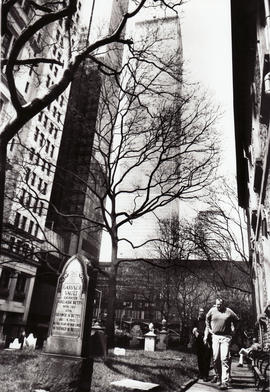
31	70
59	56
37	159
27	174
11	243
36	134
39	184
5	277
45	121
48	81
41	140
31	153
36	231
43	165
38	37
51	128
58	116
41	206
57	35
45	186
22	196
47	145
54	111
51	66
35	205
23	223
28	200
48	169
30	227
17	219
55	133
40	116
54	49
52	151
55	71
33	179
26	87
19	294
61	100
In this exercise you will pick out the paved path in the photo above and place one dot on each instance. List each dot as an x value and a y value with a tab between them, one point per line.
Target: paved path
242	380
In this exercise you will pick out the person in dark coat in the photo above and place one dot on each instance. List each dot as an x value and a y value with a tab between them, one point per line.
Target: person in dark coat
203	350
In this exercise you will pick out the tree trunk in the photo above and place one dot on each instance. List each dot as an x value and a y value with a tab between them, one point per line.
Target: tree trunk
3	160
112	298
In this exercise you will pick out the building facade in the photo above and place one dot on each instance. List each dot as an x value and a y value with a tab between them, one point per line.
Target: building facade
251	76
31	159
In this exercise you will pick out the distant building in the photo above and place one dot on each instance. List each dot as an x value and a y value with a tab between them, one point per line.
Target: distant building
251	84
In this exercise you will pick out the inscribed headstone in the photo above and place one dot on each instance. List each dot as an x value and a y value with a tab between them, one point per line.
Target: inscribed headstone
67	321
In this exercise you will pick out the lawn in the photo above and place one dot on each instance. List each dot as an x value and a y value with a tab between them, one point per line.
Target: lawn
169	369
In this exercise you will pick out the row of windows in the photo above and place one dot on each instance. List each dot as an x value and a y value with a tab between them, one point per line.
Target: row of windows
40	138
32	179
40	161
25	224
56	114
28	200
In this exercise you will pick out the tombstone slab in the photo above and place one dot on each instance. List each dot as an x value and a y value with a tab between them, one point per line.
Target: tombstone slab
68	315
135	384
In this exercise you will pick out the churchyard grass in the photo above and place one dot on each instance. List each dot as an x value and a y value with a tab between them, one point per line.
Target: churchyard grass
170	369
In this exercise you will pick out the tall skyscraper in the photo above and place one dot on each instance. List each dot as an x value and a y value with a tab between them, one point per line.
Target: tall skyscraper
32	157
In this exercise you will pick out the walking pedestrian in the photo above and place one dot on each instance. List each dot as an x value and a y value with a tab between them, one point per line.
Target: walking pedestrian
203	350
220	322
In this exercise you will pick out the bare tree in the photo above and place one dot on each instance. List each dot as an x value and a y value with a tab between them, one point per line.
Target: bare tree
221	231
154	140
43	16
200	254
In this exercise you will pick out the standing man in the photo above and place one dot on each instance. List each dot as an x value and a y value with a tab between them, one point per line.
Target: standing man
219	321
203	350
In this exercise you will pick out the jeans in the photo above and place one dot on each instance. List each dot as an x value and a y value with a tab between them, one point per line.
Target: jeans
221	356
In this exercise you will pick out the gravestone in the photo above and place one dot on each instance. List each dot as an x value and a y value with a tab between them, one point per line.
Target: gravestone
68	316
30	342
150	341
15	344
136	336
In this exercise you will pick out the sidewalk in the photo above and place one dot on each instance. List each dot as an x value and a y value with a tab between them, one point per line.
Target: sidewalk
242	380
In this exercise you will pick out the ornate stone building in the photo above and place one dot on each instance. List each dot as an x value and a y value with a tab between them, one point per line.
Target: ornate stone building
251	82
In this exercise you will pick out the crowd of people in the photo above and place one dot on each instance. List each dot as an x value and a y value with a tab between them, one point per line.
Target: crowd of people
212	335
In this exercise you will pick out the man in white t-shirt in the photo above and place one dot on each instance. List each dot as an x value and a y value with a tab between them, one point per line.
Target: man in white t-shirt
219	321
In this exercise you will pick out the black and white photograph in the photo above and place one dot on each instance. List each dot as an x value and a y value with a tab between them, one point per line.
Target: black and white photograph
135	195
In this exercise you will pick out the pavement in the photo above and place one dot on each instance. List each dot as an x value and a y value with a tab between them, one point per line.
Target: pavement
242	380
